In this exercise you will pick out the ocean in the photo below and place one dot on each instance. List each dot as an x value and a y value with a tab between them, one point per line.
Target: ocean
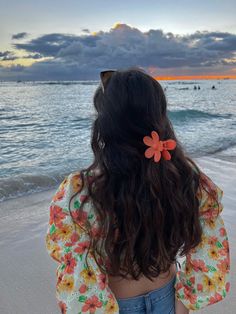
45	128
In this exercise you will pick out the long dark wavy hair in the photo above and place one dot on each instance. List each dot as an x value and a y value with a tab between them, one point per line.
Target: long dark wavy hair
148	211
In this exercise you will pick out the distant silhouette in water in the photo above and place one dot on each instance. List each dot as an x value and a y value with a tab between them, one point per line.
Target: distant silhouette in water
195	87
198	87
213	87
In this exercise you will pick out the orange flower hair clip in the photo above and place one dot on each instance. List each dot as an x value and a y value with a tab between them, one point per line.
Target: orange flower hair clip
158	148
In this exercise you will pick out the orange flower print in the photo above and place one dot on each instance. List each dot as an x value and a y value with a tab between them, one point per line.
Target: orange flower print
88	275
227	286
102	281
222	232
54	237
56	215
81	247
190	295
59	195
199	265
199	287
91	305
223	265
158	148
80	216
212	240
73	239
225	244
70	263
83	288
62	307
217	297
192	280
66	284
178	286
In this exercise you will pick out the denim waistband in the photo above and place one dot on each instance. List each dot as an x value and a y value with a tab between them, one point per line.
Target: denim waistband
154	296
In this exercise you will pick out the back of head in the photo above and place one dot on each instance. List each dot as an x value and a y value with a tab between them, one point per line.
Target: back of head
153	204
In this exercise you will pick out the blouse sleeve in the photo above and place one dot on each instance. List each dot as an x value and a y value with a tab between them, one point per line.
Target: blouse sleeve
203	278
79	289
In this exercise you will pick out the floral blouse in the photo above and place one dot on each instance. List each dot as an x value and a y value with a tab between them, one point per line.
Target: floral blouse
202	279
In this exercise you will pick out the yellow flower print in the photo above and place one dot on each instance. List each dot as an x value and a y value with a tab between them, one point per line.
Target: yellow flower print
210	223
213	253
111	307
63	183
202	244
208	284
52	248
219	279
76	182
66	284
88	275
188	269
65	232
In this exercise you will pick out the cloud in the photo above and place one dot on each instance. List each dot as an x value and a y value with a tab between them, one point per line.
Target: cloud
19	35
86	30
33	56
47	45
7	56
83	56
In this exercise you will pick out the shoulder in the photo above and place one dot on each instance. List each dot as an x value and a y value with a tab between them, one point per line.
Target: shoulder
72	196
210	196
72	186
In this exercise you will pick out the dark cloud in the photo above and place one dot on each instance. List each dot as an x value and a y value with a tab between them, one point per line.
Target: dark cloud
82	57
33	56
7	56
86	30
19	35
47	45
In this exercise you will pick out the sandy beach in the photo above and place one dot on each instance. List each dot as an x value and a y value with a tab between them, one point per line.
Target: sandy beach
28	278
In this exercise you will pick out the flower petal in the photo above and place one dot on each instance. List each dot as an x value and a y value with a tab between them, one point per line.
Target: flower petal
148	140
155	136
157	156
149	152
166	155
169	144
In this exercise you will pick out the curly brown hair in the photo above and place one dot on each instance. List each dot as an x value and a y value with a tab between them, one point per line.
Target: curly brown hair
148	211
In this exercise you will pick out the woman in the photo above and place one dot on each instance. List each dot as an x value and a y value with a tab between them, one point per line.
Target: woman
117	227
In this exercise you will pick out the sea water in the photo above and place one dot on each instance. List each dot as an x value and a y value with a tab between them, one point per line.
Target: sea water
45	127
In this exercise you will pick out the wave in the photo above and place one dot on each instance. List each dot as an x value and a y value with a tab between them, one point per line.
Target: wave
66	83
181	115
20	185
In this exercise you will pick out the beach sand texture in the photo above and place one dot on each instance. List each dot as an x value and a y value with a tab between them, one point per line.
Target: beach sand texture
28	274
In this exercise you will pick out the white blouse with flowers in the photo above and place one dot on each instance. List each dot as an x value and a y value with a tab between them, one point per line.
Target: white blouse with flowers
203	278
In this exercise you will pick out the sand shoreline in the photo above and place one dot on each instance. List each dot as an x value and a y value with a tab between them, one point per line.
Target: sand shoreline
28	273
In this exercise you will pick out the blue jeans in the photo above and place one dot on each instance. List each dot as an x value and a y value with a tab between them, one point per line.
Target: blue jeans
158	301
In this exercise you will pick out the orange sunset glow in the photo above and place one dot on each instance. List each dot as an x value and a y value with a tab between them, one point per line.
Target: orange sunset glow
195	77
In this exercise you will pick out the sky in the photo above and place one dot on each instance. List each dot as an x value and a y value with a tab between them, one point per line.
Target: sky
74	39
